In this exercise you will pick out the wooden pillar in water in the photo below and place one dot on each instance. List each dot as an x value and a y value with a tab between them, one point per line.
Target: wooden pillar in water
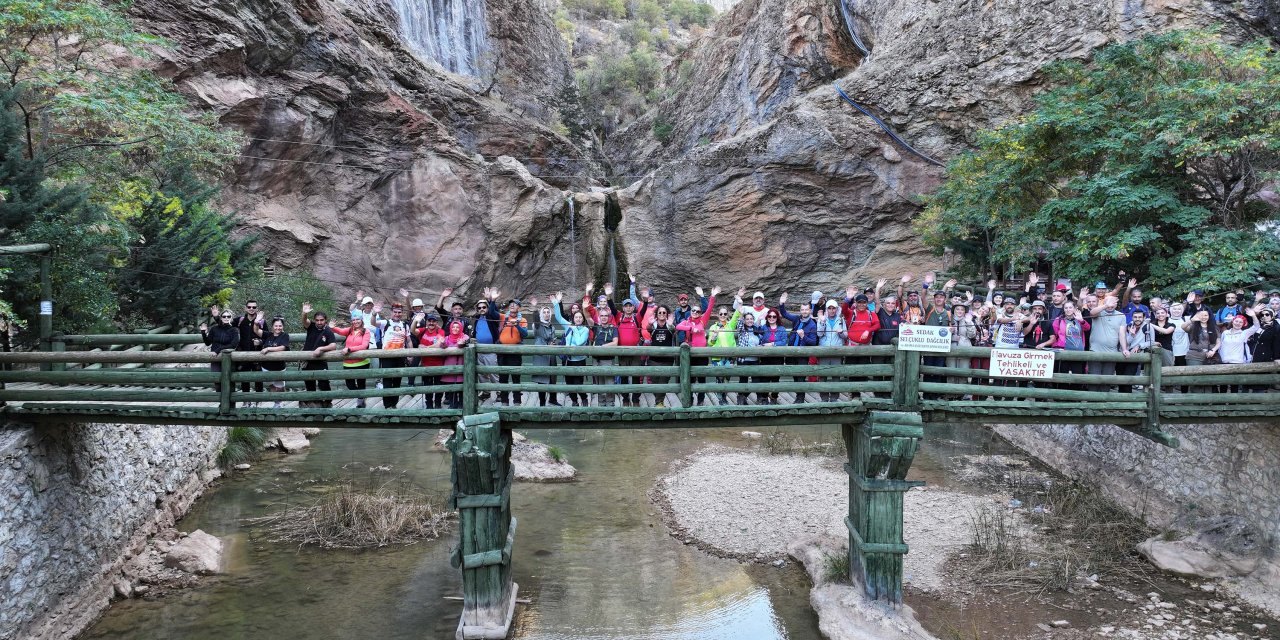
482	476
880	452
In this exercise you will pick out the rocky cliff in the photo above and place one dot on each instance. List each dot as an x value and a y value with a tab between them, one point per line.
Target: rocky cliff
772	181
372	166
369	165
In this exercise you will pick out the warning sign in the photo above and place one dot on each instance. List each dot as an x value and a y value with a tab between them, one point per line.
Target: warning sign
1022	363
918	337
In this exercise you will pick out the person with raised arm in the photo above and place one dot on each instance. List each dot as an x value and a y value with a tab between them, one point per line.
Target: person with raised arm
628	322
695	330
1107	335
577	333
1069	330
431	336
222	337
804	333
772	334
514	329
250	324
747	335
485	327
605	335
543	329
832	332
359	339
723	333
659	330
456	338
320	340
684	311
393	334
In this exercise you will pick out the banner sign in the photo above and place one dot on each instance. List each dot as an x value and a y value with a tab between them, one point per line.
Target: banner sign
919	337
1022	363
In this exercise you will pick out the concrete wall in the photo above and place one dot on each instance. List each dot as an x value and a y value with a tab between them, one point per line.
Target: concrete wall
1220	469
76	501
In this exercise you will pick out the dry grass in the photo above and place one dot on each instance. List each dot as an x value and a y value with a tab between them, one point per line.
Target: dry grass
1077	533
352	518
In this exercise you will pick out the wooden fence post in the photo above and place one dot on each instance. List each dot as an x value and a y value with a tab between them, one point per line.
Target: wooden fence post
225	386
1153	390
899	394
58	346
686	381
880	451
470	399
482	475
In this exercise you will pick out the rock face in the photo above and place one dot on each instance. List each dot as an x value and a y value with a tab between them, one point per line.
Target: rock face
768	178
366	165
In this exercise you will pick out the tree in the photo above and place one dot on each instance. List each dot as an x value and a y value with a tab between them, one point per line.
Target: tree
91	117
1151	158
81	234
182	256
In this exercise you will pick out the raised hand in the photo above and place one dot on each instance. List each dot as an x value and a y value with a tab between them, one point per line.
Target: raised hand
1033	279
557	297
881	283
204	326
930	277
306	308
968	296
533	302
1259	296
647	293
590	286
448	291
1084	291
782	299
608	288
1133	282
698	290
213	310
495	293
950	284
715	291
632	276
906	277
404	293
1191	297
991	284
742	291
359	295
850	291
377	307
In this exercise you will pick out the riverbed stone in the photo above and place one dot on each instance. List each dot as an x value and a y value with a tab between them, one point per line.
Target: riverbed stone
198	553
1192	558
291	440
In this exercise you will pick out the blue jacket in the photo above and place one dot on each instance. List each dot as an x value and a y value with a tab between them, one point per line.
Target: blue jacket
809	326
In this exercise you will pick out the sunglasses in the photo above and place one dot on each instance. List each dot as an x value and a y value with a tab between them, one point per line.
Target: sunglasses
771	317
662	313
227	316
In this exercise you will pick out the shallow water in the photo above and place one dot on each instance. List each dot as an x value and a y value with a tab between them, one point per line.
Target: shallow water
593	556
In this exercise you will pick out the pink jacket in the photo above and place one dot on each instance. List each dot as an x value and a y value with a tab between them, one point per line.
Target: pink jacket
1060	332
697	329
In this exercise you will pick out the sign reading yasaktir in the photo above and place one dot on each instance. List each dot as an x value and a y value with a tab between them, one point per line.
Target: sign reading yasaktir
1022	363
919	337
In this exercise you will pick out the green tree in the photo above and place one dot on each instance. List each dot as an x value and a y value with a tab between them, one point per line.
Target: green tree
182	256
91	117
283	295
82	236
1150	158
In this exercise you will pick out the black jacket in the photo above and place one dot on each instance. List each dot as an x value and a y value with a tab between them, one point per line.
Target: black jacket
221	337
1265	345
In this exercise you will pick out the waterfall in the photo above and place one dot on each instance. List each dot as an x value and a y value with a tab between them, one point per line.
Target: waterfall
450	32
573	242
613	260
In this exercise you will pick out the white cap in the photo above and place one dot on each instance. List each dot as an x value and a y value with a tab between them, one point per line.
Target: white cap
817	295
417	302
833	304
367	300
757	295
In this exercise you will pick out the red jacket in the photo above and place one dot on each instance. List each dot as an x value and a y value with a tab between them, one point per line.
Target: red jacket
862	324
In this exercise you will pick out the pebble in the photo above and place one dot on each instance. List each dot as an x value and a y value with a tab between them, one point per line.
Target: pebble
1061	624
243	466
1259	626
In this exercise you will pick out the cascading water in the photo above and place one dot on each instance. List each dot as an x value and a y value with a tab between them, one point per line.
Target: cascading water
573	242
451	32
613	260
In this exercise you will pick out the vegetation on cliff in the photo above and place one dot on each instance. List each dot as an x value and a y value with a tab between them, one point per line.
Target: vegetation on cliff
104	160
1156	157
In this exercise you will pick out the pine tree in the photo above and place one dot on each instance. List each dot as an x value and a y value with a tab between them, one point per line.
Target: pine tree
182	256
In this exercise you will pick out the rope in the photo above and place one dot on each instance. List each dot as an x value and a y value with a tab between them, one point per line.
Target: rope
896	138
853	33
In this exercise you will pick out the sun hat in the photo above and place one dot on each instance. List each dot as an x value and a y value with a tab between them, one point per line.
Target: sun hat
417	302
367	300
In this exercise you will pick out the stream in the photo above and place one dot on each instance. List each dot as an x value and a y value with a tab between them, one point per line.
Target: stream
593	556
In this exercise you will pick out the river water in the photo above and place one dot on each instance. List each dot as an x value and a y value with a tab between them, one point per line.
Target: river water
593	556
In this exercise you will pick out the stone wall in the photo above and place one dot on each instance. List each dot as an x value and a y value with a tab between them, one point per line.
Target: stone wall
1220	469
76	501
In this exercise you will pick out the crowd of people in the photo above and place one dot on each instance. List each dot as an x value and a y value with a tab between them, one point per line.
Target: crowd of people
1113	319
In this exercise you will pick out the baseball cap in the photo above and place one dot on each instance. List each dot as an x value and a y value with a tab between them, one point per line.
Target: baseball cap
757	295
860	298
1061	287
1024	306
683	296
1037	303
629	301
367	300
433	316
1100	285
832	304
1197	292
417	302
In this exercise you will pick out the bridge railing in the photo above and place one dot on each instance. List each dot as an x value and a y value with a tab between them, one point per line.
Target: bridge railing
838	378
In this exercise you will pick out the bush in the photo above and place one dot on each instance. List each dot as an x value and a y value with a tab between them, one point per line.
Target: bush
244	444
599	9
352	518
283	295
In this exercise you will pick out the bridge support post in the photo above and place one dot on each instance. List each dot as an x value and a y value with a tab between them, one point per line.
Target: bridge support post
880	451
482	476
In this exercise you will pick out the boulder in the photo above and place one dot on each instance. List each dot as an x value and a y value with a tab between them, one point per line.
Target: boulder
291	440
533	462
198	553
1191	557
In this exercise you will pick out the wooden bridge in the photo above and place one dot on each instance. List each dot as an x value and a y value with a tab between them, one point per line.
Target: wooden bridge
883	398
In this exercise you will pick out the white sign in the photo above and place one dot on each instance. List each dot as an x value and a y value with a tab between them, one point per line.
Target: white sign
1022	363
919	337
46	308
